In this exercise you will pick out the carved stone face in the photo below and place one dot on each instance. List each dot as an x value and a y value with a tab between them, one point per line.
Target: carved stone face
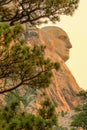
58	40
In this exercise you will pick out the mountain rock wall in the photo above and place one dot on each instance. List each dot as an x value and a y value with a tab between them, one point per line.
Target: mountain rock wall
64	87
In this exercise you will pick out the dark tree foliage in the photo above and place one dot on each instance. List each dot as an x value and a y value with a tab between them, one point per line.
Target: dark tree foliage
83	94
12	118
33	11
47	112
21	65
80	119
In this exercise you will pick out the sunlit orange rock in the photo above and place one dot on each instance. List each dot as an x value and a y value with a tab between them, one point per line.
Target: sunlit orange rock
64	87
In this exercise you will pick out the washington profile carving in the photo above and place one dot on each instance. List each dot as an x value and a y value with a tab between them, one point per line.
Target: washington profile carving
64	87
58	37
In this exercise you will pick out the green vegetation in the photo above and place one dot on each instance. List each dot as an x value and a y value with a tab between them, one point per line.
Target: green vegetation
62	113
83	94
12	118
21	65
80	119
34	11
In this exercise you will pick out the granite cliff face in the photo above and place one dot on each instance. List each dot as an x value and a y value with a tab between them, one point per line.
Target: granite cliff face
63	89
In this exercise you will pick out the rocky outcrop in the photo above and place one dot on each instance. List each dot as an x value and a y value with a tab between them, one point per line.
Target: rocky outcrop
63	89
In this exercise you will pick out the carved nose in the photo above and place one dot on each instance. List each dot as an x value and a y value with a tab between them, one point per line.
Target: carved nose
66	41
68	44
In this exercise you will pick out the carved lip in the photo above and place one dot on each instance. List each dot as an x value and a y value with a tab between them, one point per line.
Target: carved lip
67	50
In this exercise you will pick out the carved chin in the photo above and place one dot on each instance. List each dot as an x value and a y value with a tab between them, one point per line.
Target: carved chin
65	57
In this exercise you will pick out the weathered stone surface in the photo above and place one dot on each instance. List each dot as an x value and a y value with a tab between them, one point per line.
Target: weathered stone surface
63	89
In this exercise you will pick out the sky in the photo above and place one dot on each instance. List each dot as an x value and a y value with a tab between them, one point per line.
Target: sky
76	28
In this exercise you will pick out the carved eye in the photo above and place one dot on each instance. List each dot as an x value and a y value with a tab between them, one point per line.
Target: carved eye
33	34
66	41
62	37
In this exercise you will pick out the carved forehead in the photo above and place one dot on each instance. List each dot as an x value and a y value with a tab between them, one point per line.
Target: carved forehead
55	31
